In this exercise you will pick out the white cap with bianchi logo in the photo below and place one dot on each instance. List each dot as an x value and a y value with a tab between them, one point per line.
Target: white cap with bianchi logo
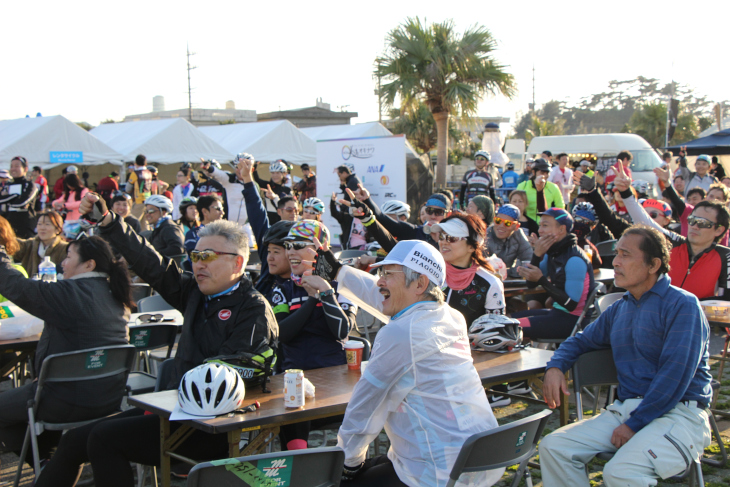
419	256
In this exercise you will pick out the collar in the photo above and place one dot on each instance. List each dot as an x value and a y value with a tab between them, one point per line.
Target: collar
87	275
563	245
659	288
223	293
401	312
161	221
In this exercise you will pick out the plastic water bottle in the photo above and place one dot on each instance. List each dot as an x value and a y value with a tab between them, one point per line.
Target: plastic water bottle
47	270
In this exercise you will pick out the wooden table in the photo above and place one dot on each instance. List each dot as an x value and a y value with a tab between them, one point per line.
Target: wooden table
334	387
23	347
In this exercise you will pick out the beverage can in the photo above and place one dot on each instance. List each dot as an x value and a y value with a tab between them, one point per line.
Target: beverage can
294	388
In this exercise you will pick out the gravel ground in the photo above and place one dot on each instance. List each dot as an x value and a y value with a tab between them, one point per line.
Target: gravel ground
714	477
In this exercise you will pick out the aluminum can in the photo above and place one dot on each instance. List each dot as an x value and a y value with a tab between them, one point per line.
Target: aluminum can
294	388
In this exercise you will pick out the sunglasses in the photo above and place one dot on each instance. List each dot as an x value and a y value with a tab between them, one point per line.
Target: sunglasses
434	211
506	223
216	208
156	318
700	222
207	255
311	211
382	273
149	212
290	208
297	245
449	238
654	214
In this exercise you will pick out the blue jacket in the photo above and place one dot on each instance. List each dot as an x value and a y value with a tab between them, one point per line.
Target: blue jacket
660	345
260	225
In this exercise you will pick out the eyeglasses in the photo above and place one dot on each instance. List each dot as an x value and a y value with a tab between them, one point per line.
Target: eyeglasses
311	211
156	318
654	214
385	274
290	208
297	245
434	211
207	255
149	212
506	223
700	222
216	208
449	238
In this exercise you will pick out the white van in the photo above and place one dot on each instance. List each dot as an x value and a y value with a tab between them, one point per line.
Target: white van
603	149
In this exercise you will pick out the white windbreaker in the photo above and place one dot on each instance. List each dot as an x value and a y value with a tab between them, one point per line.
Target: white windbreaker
421	385
234	192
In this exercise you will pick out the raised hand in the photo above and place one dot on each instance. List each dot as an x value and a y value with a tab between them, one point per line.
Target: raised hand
543	244
362	193
622	181
269	193
662	174
244	170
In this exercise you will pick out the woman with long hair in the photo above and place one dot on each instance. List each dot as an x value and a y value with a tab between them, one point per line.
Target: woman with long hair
48	242
89	308
188	214
73	191
472	287
10	241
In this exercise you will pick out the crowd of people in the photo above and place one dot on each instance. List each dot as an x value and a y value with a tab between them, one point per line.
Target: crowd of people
438	275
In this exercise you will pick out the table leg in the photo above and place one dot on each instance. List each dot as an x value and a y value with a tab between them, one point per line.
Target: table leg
234	438
164	457
265	436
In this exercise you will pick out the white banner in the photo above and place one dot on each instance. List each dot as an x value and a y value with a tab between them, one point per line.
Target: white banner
379	162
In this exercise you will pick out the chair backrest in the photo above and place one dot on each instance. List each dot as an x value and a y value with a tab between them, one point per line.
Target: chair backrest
164	372
595	368
153	303
140	291
603	302
587	310
607	248
500	447
253	257
347	254
366	348
313	467
153	336
179	259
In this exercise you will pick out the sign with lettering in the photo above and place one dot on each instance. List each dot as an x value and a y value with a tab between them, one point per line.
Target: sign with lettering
66	157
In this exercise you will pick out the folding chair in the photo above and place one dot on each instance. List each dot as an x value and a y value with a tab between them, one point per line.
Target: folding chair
153	303
146	338
140	291
597	368
603	302
94	364
511	444
607	248
314	467
348	254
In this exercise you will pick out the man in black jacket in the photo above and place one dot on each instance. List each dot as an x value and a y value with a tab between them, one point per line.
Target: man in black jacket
222	315
19	197
166	236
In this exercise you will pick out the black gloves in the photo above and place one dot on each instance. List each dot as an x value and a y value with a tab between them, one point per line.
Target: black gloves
326	265
350	473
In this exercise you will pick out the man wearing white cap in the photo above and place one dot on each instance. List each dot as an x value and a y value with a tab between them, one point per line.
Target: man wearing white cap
420	383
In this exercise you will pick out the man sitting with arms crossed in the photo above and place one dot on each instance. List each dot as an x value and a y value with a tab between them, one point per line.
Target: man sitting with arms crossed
223	316
660	339
420	382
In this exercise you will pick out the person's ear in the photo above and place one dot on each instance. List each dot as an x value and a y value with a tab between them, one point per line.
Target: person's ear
719	230
656	263
90	264
239	264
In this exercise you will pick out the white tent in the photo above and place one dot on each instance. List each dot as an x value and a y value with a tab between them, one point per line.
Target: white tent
266	141
359	130
713	128
168	141
45	141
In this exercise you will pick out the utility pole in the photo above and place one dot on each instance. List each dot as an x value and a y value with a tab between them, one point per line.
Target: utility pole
533	90
190	91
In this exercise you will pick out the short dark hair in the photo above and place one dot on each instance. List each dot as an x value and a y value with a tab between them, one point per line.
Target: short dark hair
654	245
119	197
140	160
204	202
342	169
667	155
697	190
714	160
679	176
624	154
562	154
721	212
37	168
304	166
23	161
547	153
283	201
113	174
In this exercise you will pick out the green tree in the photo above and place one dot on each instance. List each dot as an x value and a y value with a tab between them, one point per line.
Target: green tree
417	124
449	72
543	128
650	122
85	125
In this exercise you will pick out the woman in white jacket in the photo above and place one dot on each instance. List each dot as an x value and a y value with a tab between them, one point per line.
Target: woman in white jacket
183	189
420	383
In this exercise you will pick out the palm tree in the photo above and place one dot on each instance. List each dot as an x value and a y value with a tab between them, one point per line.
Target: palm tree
449	72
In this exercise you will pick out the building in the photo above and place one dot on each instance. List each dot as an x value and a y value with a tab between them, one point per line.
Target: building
200	116
316	116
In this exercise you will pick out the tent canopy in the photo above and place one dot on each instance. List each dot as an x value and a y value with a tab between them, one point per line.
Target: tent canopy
266	141
168	141
715	144
49	141
359	130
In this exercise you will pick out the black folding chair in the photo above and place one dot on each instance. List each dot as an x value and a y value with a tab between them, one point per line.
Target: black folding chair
95	365
146	338
313	467
603	302
512	444
153	303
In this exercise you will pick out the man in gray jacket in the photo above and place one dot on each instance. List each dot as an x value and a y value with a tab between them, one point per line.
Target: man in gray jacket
505	239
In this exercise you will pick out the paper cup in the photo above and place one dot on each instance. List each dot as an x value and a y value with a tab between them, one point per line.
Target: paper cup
354	354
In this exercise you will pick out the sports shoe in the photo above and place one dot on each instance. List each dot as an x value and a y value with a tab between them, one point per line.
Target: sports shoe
520	387
496	401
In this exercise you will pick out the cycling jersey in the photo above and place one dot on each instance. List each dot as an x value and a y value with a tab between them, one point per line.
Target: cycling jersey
139	185
485	295
475	182
208	187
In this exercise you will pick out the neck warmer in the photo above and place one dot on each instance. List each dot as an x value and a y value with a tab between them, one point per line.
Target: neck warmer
458	278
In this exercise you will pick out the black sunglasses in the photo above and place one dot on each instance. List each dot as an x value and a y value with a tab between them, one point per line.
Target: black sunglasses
434	211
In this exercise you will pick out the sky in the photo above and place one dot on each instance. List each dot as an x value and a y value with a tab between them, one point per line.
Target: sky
92	61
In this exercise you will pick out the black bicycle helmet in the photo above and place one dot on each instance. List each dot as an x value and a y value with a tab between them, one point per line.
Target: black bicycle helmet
277	232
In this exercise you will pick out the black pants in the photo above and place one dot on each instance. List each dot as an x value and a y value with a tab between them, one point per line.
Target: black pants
300	431
110	444
379	472
546	323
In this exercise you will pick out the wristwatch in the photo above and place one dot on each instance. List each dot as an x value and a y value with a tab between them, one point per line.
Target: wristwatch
326	293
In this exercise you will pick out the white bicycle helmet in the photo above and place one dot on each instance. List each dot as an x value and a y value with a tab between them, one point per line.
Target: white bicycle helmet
243	156
211	389
641	186
396	207
161	202
482	153
277	166
314	203
495	333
